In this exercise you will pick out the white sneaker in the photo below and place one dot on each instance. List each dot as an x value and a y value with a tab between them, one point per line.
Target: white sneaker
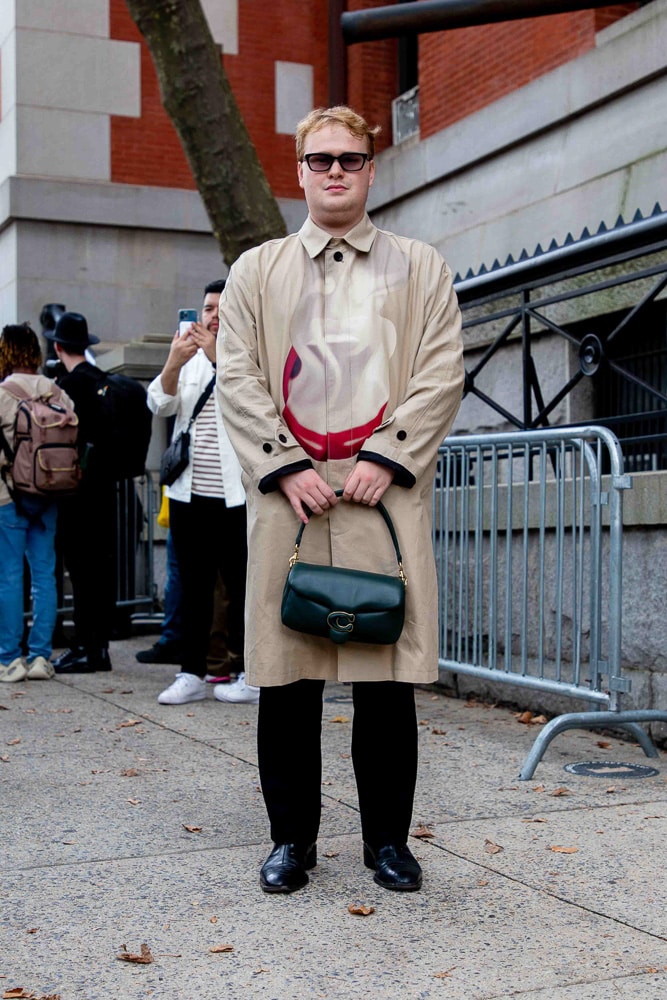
238	692
40	669
186	687
15	671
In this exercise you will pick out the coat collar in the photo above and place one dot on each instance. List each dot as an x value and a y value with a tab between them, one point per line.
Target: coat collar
314	239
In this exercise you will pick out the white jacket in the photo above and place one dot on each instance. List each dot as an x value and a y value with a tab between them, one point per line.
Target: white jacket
192	380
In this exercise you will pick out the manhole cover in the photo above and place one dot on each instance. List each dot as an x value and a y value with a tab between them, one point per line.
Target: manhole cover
611	769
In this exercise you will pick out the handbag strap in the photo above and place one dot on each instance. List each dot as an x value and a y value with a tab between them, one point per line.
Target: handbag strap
380	507
201	402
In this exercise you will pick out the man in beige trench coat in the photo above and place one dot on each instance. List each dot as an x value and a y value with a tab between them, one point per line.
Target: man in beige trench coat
339	367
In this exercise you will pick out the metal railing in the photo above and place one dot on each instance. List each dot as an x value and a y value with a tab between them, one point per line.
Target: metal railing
528	538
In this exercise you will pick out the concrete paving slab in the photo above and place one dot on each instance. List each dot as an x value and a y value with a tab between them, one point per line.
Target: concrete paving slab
85	870
458	938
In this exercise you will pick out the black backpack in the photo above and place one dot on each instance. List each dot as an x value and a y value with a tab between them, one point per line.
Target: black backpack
122	429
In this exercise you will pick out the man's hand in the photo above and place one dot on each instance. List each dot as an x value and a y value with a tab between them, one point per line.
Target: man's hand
307	487
367	482
199	335
181	350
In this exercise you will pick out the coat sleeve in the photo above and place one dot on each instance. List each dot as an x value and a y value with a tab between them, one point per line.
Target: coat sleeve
409	439
265	446
159	402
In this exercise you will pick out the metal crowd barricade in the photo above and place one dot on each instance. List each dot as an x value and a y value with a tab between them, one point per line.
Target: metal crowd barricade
528	538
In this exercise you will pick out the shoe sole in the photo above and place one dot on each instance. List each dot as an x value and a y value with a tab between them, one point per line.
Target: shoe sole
199	697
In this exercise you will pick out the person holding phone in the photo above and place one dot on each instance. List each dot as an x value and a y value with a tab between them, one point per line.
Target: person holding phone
207	514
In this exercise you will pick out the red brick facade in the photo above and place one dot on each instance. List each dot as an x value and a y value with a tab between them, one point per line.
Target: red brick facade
459	72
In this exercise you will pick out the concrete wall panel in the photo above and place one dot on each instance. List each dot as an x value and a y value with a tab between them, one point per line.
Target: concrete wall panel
223	20
78	73
71	16
294	95
63	144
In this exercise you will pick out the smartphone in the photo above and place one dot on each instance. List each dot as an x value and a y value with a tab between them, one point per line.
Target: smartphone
186	317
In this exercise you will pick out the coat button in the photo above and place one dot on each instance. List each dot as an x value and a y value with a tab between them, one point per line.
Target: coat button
401	435
338	256
267	447
282	439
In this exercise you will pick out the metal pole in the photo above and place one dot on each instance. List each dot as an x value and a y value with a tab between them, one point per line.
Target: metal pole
441	15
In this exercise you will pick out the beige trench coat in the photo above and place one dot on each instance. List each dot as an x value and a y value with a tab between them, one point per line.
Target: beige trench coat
330	350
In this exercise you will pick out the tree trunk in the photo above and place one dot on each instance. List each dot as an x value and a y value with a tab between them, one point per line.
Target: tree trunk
198	98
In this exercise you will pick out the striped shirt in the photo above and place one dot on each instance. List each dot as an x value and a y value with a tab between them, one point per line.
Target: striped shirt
206	472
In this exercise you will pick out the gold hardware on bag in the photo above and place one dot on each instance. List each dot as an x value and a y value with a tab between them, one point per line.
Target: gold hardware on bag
295	555
402	574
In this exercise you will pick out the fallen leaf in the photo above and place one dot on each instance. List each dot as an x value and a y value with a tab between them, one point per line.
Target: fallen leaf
213	920
129	772
492	848
561	791
537	819
604	744
134	802
610	790
439	732
423	831
361	911
3	708
444	975
32	930
482	881
258	971
4	759
192	829
341	718
13	743
525	718
130	722
331	854
108	690
538	788
190	715
219	948
144	958
562	850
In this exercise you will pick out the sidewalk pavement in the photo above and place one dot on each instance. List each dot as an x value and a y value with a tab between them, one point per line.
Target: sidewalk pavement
125	822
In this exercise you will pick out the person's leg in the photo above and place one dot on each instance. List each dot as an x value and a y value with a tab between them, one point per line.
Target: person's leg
232	561
172	625
384	754
289	729
13	533
41	555
195	527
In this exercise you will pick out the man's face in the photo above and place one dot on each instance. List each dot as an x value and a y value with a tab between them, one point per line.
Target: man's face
209	312
336	198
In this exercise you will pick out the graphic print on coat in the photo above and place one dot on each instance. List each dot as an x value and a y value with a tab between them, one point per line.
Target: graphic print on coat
336	375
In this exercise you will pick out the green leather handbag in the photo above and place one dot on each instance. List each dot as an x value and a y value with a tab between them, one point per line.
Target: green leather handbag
345	605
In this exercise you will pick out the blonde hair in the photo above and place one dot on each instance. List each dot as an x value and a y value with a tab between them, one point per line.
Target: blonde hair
339	115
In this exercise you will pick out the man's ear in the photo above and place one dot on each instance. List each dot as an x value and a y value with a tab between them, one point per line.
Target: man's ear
299	173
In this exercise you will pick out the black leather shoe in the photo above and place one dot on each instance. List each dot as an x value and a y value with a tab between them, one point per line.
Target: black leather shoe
285	868
70	658
161	652
395	867
98	659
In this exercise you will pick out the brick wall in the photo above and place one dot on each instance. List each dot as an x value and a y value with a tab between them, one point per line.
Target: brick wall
147	150
464	70
459	72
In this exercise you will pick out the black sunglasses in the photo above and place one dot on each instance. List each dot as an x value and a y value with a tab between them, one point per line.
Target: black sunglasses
321	162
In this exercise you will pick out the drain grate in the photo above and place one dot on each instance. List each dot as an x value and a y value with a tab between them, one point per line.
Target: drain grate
611	769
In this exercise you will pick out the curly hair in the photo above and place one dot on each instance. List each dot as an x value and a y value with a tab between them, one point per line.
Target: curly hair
19	348
339	115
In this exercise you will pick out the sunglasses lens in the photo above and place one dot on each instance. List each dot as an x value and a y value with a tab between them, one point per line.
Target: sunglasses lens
319	161
352	161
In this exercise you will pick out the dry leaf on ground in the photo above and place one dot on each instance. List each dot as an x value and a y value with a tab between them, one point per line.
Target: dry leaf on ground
562	850
129	772
144	958
422	831
130	722
19	993
219	948
492	848
446	974
604	744
360	911
192	829
341	718
561	791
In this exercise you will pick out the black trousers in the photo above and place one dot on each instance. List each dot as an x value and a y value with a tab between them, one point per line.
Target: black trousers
209	538
87	533
384	755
